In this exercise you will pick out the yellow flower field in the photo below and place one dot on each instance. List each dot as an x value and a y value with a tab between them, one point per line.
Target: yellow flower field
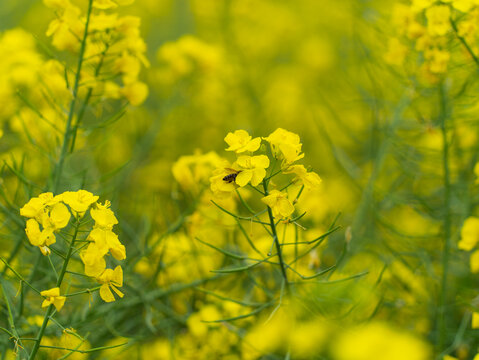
239	180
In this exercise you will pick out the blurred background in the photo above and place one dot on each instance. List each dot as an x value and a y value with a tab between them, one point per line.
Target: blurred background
369	127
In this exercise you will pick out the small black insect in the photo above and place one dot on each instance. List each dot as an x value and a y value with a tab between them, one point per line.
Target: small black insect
231	177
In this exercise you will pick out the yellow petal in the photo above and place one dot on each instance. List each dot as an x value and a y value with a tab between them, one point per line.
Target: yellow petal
117	276
106	294
60	216
33	232
285	207
261	161
59	301
51	292
258	176
244	177
118	292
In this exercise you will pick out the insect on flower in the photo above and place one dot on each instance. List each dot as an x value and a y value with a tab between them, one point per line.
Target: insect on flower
231	177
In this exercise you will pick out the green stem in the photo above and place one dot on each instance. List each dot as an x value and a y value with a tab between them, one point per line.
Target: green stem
50	308
87	99
68	130
447	220
275	239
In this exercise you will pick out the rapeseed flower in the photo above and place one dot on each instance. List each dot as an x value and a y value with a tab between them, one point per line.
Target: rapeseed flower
107	240
240	141
279	204
463	5
103	216
53	298
79	201
285	145
48	211
438	22
379	341
40	238
220	187
93	260
111	279
310	180
469	234
35	207
251	169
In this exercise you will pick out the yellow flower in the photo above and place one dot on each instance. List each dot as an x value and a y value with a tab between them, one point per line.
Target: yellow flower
448	357
279	204
93	260
396	52
474	262
67	29
220	187
135	92
104	4
56	218
102	22
476	173
193	171
79	201
107	240
103	216
110	279
379	341
475	320
57	4
53	297
310	180
35	207
463	5
285	145
128	66
469	234
109	4
437	60
251	169
40	238
51	214
240	141
438	20
419	5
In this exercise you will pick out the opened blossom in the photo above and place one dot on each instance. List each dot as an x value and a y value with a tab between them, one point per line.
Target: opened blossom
240	141
251	169
103	216
53	298
220	187
310	179
51	214
93	260
79	201
285	145
279	204
110	280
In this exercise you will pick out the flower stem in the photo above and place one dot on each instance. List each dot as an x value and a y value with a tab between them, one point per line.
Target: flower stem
447	220
275	239
57	174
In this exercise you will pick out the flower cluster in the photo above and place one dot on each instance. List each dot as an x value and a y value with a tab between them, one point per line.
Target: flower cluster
51	213
108	34
251	169
185	56
48	214
430	26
